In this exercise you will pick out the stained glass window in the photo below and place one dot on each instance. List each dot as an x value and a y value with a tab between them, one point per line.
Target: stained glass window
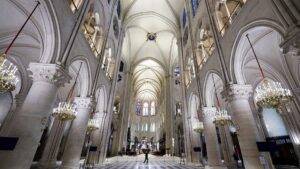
152	108
145	109
184	18
194	6
177	71
138	108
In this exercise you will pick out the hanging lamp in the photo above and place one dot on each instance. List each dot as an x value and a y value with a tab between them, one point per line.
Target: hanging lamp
221	116
93	125
270	94
8	78
198	126
67	110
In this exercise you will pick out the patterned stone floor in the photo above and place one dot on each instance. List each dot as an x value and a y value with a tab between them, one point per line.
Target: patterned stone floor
150	165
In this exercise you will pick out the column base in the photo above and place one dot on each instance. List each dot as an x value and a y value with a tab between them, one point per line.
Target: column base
74	166
47	165
214	167
194	164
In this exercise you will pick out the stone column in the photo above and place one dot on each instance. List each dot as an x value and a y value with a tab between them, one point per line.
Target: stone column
196	157
211	140
237	96
169	119
187	147
125	111
77	133
226	144
29	121
96	139
49	156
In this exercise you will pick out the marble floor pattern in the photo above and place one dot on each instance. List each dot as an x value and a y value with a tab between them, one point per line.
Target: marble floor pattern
150	165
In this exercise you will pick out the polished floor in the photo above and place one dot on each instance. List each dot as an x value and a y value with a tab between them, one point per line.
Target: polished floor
150	165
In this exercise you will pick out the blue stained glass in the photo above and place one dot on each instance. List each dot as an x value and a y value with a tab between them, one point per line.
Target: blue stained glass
194	6
138	108
184	18
177	71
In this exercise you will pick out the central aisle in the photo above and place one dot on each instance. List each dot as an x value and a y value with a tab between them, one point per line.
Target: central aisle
136	162
150	165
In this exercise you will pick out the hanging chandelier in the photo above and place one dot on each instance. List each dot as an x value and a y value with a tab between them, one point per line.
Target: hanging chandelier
93	125
8	78
222	118
270	95
198	126
67	110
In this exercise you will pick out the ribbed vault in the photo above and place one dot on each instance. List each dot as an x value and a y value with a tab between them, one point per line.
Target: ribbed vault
150	60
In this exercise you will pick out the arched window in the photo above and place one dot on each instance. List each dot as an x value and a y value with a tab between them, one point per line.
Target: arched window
152	127
145	109
153	108
138	108
194	6
108	63
205	46
177	71
225	11
146	127
92	30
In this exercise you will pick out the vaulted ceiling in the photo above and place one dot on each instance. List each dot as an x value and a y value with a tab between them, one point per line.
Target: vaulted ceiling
151	60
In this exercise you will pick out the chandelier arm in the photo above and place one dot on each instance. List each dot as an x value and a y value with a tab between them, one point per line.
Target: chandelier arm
73	87
16	36
261	71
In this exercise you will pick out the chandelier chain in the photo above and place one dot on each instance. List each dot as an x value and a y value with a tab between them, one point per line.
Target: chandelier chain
22	27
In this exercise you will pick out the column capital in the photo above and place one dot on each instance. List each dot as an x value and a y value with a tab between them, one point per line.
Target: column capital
84	102
237	91
50	73
293	49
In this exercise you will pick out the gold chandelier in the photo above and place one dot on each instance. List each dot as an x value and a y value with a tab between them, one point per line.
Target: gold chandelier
8	78
270	95
198	126
93	125
67	110
222	118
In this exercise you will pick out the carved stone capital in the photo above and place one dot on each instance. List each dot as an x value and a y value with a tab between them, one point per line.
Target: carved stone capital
294	49
50	73
236	91
291	42
84	102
